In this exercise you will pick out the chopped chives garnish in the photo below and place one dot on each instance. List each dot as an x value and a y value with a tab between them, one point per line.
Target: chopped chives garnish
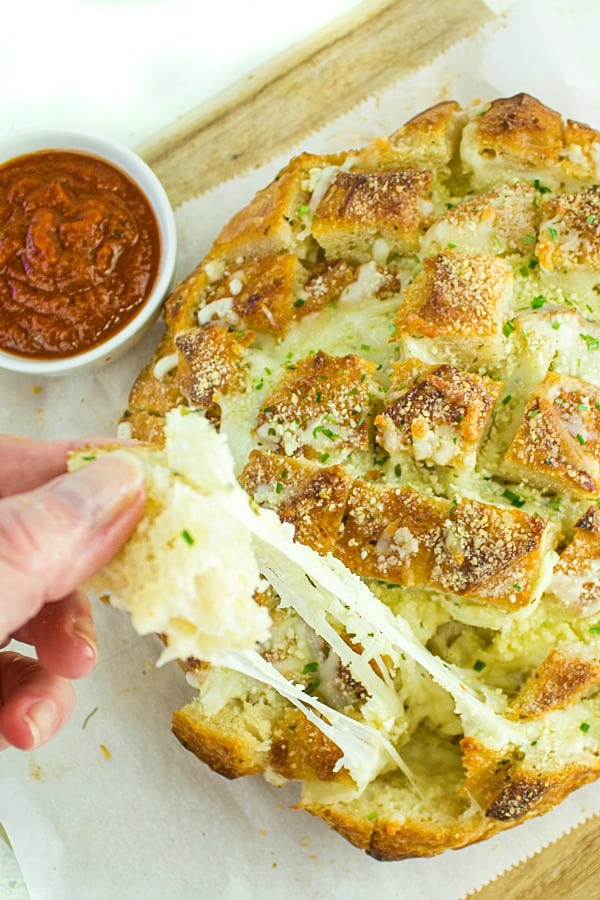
310	667
514	499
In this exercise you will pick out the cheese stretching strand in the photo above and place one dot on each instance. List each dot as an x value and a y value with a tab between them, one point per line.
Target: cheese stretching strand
317	587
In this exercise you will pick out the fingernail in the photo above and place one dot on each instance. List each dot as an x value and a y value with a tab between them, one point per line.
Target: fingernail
101	490
86	636
41	718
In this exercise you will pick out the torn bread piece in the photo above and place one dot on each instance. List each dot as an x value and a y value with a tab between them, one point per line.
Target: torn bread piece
175	575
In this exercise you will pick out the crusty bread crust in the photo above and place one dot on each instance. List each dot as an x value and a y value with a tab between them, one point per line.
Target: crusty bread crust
399	342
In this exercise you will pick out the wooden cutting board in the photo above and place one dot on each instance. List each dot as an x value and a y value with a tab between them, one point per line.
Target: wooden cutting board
273	110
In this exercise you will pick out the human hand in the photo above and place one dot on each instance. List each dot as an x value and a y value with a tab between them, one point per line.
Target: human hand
56	530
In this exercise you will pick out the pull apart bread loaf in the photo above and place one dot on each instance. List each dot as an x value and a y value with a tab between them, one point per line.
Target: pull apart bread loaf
400	348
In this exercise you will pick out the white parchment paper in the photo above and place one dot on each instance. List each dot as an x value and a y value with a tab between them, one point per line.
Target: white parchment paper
114	807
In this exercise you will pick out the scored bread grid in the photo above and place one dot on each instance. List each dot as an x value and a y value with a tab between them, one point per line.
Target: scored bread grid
400	343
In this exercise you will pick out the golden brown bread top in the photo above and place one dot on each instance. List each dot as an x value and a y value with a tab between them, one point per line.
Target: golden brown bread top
558	440
256	293
560	680
575	578
390	532
321	403
522	128
521	137
209	365
504	218
300	751
399	341
509	789
359	207
438	413
312	498
271	220
456	296
570	231
490	554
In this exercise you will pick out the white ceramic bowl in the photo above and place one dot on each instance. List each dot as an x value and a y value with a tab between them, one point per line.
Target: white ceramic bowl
23	142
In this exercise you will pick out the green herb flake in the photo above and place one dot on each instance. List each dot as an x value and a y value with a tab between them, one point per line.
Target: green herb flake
326	431
299	302
513	498
508	328
541	187
585	727
89	716
553	233
591	220
517	587
397	470
592	343
278	487
310	667
594	629
555	325
372	816
538	302
556	503
479	665
302	210
187	537
506	399
89	457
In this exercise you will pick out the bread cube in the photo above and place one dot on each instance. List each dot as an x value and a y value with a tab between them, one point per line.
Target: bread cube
437	414
557	444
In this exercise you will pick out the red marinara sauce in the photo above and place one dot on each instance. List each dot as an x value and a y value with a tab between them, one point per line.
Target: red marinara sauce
79	252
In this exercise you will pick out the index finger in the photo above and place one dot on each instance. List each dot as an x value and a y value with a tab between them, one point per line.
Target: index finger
26	463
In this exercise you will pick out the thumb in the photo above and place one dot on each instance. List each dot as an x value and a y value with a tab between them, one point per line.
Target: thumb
55	537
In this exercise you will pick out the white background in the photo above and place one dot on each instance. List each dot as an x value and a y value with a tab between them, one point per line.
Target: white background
131	67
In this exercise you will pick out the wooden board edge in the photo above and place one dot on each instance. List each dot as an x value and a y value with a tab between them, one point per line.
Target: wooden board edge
566	868
280	104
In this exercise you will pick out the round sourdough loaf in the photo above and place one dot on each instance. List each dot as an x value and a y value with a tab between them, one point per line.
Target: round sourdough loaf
401	344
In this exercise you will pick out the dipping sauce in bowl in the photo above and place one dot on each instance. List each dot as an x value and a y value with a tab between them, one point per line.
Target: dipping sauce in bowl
87	250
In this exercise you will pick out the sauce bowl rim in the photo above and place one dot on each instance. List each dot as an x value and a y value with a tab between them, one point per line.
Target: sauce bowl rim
23	142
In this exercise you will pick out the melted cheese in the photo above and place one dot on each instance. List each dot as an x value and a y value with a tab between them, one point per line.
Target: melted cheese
199	466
